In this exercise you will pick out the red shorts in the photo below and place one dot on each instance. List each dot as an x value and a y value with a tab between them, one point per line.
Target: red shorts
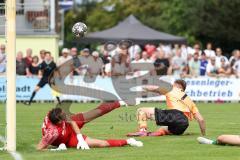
78	118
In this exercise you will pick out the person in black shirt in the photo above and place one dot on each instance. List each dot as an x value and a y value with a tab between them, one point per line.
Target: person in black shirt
34	67
45	70
161	64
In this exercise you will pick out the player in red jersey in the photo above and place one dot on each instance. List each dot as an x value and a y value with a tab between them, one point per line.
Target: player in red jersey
59	128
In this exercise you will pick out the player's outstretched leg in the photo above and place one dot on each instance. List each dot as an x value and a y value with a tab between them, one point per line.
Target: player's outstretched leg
33	95
221	140
101	110
96	143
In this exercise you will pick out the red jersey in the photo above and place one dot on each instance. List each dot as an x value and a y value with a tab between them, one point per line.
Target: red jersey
60	133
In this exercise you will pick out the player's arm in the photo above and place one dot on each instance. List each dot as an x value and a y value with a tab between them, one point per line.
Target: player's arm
41	146
81	142
199	118
163	88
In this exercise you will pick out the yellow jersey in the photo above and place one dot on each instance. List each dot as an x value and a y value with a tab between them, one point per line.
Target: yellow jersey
177	99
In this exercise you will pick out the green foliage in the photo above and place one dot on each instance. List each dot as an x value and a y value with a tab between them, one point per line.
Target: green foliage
197	20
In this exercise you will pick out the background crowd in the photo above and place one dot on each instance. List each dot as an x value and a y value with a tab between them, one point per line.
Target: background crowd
181	60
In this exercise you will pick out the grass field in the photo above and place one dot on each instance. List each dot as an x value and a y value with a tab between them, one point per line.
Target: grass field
220	118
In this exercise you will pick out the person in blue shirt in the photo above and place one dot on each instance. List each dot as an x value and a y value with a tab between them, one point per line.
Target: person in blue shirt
203	64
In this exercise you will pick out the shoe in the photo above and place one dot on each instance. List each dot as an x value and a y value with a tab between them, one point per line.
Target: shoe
138	134
203	140
133	142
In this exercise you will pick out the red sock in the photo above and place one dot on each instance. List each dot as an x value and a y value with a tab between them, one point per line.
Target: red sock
117	142
108	107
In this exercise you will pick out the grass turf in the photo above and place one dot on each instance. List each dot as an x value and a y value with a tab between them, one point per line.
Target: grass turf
220	118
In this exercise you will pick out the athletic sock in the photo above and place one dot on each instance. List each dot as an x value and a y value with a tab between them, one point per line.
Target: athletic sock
58	99
32	96
116	142
108	107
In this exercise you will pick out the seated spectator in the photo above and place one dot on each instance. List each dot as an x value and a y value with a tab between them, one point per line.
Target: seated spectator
21	66
203	64
185	72
34	67
161	64
177	63
41	56
212	68
145	58
64	57
219	56
76	61
194	65
28	58
2	59
209	51
224	69
120	64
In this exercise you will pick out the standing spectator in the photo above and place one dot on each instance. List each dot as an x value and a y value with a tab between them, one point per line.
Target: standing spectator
76	61
194	65
2	59
203	64
34	68
21	66
212	68
96	66
209	51
224	69
120	63
184	52
236	68
85	57
177	63
133	50
235	56
41	56
28	58
161	64
137	58
64	58
219	56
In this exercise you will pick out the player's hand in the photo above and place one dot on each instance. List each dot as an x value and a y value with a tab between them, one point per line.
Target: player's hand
81	142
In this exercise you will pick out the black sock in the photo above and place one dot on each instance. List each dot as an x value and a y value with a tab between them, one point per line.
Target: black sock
58	99
33	95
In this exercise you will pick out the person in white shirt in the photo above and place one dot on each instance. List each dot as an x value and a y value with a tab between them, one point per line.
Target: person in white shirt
2	59
209	51
194	65
177	63
235	56
219	56
145	58
212	68
236	68
65	57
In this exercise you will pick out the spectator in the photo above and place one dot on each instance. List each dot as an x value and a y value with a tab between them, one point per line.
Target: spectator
196	49
120	64
65	57
219	56
28	58
185	71
106	57
85	57
133	50
96	66
76	61
177	63
184	52
236	68
145	58
235	56
2	59
203	64
224	69
41	56
21	66
209	51
34	67
137	58
212	68
194	65
161	64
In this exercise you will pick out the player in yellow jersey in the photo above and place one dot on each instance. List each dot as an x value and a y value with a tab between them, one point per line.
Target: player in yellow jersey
180	109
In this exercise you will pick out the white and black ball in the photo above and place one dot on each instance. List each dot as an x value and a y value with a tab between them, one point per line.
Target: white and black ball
79	29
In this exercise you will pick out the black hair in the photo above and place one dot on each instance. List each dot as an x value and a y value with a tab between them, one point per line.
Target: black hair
55	115
182	83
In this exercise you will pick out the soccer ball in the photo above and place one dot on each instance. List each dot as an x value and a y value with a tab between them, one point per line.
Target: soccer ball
79	29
